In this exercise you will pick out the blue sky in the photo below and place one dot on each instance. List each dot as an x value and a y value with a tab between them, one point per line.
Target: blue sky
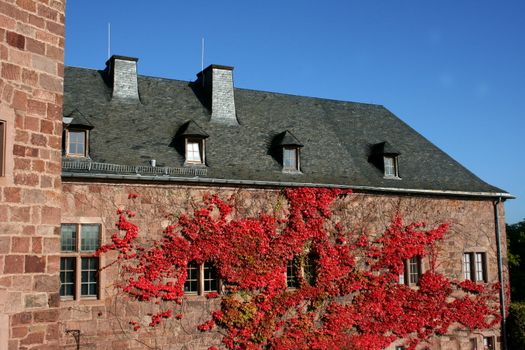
453	70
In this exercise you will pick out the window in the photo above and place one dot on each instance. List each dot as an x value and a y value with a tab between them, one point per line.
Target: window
488	343
305	267
473	344
195	151
400	347
76	143
290	159
475	266
201	279
390	164
79	277
2	147
412	271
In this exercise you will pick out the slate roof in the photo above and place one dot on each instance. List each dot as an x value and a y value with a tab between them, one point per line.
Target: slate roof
338	137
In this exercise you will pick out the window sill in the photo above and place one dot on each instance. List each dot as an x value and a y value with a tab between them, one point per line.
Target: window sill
292	172
194	164
391	177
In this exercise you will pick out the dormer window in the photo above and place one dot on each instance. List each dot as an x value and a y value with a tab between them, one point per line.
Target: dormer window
390	165
286	149
195	151
76	135
76	141
385	157
194	140
290	158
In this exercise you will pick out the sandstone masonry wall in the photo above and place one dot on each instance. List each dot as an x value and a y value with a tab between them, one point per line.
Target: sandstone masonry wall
31	95
104	323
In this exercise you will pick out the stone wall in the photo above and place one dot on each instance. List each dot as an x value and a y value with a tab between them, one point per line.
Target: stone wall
31	71
104	323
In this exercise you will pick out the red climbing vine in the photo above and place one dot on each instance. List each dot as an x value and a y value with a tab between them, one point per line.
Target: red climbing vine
352	300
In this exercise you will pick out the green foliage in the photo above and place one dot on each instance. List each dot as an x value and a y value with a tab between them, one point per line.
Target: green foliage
516	326
516	255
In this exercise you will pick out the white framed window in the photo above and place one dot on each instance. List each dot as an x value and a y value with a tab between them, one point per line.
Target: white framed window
202	279
76	142
413	269
79	268
475	266
390	165
291	159
195	151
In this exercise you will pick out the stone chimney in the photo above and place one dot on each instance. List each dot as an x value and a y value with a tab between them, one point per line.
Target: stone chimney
122	76
216	83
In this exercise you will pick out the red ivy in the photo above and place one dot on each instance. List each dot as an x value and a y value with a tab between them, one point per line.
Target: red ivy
355	301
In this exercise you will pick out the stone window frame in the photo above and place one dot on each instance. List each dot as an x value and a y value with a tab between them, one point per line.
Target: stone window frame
201	143
67	152
201	279
77	297
489	342
473	265
407	277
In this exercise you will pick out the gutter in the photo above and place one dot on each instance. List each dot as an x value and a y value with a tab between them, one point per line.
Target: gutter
216	181
500	277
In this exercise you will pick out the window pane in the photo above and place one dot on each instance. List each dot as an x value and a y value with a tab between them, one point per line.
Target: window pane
466	266
480	268
390	169
291	274
191	285
310	268
89	237
68	238
89	277
414	270
290	158
77	141
211	280
67	277
193	151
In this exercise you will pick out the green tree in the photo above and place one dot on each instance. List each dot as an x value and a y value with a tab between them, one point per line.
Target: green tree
516	254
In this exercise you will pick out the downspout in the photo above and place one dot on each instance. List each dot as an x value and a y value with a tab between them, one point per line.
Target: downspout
500	277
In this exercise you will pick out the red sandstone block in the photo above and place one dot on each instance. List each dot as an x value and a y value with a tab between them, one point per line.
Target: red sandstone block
52	332
22	164
50	83
21	136
20	214
31	123
54	299
3	213
36	245
44	95
33	338
54	167
60	70
44	64
26	179
15	40
46	182
28	5
29	77
36	107
6	281
21	318
55	28
5	244
3	52
35	46
12	194
35	264
31	152
7	23
7	94
37	21
19	150
20	244
18	332
55	142
47	12
13	345
47	37
46	316
20	99
21	58
50	215
54	52
14	264
54	110
38	140
10	71
38	165
28	230
46	126
53	263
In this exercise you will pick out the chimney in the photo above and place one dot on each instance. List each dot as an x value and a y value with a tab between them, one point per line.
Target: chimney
217	84
122	75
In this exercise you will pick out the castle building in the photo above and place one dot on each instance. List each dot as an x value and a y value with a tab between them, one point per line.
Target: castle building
74	143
